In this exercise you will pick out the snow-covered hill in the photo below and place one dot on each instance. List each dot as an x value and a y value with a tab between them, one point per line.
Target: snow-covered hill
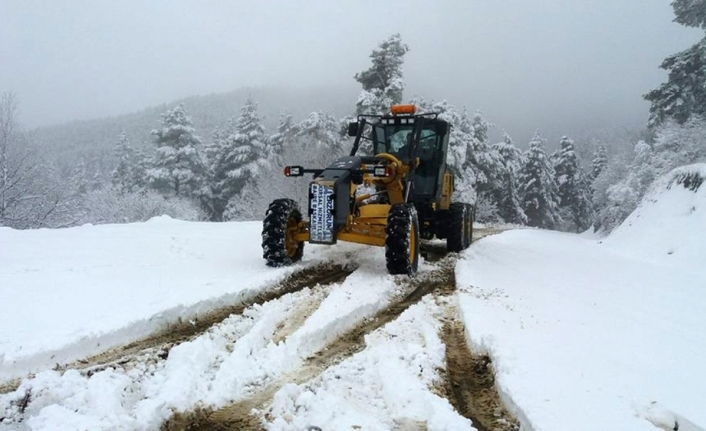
669	224
580	334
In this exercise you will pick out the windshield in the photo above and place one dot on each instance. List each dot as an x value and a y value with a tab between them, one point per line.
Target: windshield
397	139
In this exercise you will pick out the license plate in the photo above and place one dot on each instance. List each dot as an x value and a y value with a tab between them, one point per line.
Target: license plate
321	214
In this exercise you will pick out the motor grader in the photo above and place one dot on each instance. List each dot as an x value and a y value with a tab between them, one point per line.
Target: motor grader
394	198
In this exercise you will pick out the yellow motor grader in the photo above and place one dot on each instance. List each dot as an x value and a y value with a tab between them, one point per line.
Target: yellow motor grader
394	198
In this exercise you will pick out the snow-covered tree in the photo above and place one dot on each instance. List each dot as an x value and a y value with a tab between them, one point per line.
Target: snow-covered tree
573	186
478	168
31	195
286	132
622	185
684	93
480	127
235	156
176	167
315	142
678	145
127	175
537	189
507	196
382	83
691	13
600	161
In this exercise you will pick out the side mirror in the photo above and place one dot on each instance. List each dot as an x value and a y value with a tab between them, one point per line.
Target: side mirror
353	129
293	171
442	129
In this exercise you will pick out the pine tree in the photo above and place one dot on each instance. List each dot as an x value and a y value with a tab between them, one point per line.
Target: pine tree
314	142
176	168
684	93
461	143
600	161
507	196
477	167
691	13
382	83
235	156
480	127
572	184
318	136
286	131
125	176
537	189
79	183
486	162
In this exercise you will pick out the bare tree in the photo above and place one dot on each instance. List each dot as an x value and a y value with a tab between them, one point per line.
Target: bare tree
29	198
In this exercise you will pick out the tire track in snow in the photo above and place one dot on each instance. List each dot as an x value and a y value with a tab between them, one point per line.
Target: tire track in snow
239	414
162	342
318	279
470	382
486	412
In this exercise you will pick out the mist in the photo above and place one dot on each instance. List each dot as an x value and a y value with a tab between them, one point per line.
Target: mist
563	67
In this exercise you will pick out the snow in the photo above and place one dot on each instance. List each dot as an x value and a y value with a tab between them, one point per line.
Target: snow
588	336
584	333
70	293
667	225
386	386
222	365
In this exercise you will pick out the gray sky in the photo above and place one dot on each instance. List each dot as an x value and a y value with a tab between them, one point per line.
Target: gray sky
557	65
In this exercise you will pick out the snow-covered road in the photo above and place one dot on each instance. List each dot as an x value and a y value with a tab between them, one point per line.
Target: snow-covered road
568	331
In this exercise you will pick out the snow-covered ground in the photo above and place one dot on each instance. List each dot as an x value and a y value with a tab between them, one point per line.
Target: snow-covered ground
589	335
584	333
72	292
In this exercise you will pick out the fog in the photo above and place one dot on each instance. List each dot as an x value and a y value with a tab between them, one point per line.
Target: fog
562	66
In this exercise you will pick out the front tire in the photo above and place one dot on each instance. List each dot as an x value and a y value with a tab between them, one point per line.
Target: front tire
402	240
279	247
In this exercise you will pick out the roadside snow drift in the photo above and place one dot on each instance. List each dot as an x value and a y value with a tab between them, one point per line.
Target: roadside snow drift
69	293
591	336
669	223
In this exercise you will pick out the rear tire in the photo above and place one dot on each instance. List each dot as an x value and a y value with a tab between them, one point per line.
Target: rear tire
402	240
279	248
456	231
468	226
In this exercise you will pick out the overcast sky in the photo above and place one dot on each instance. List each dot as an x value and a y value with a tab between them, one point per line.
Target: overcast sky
548	64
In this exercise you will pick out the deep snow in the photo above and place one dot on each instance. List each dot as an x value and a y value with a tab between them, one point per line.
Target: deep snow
69	293
598	334
584	333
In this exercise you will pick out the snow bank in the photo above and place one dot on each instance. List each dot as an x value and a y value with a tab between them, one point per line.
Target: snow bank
73	292
584	338
144	393
669	225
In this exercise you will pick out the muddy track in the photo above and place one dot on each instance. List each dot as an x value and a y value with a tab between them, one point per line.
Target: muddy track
469	380
161	342
238	416
470	383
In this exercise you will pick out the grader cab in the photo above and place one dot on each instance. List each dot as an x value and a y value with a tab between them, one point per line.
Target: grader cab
395	198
